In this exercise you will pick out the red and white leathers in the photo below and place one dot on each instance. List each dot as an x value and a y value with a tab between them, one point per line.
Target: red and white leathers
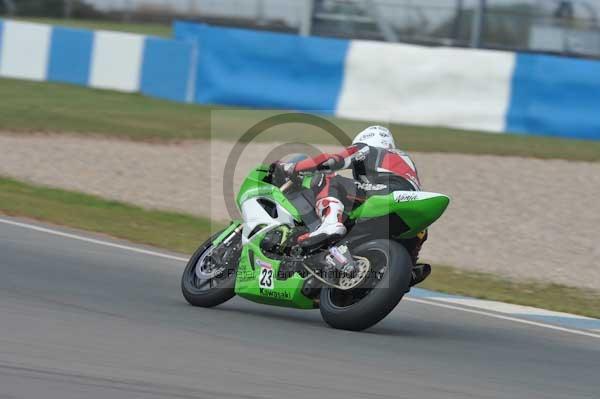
369	164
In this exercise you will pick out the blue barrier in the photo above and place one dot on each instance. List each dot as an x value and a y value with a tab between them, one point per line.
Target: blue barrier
555	96
70	55
166	69
266	70
472	89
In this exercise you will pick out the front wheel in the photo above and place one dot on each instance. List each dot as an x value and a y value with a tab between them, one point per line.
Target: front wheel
209	277
387	282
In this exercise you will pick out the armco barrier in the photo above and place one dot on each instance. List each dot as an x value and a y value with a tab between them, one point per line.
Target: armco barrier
100	59
474	89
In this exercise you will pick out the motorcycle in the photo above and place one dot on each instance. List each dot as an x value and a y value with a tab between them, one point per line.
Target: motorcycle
355	281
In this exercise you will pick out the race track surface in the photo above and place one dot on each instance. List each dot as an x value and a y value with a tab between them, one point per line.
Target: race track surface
82	320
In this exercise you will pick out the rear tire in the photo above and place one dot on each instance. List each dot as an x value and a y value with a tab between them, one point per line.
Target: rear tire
219	290
341	309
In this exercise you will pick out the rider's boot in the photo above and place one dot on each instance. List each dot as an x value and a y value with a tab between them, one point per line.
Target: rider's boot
419	273
331	211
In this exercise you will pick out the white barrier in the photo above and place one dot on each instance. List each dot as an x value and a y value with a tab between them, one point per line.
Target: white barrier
25	50
426	86
116	61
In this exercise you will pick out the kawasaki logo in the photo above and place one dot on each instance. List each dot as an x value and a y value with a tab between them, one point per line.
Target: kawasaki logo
400	196
274	294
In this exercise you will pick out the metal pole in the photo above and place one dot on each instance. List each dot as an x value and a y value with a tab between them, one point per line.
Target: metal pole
260	12
68	10
127	10
385	27
477	25
307	18
457	21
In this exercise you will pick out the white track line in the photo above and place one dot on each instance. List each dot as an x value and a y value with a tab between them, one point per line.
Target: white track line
93	241
417	300
501	317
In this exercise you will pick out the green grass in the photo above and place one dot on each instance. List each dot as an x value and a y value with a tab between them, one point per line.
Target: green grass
168	230
51	107
184	233
150	29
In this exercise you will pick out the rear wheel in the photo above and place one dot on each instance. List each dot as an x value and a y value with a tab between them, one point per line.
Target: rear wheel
209	277
386	283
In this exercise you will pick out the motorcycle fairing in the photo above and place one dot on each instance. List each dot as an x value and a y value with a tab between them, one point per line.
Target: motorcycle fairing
253	261
417	209
255	186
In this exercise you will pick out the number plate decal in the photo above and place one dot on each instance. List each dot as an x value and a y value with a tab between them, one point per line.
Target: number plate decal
265	277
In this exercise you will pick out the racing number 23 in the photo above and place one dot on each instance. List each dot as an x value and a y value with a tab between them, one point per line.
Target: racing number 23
266	278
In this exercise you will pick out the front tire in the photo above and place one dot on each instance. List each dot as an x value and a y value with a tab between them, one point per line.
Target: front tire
362	307
208	292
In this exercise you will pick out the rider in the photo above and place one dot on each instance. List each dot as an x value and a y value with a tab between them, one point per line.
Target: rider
376	164
378	168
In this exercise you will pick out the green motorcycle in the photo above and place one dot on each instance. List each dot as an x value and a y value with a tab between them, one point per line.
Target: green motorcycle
355	282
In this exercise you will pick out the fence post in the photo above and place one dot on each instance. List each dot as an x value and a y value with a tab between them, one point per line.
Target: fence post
385	27
307	18
127	10
477	25
260	12
68	9
457	21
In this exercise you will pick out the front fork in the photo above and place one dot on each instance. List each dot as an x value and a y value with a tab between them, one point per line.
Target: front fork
224	247
228	234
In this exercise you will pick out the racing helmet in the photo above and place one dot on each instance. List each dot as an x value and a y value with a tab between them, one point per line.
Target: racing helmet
376	136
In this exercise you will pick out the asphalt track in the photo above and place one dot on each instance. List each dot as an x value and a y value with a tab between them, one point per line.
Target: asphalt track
83	320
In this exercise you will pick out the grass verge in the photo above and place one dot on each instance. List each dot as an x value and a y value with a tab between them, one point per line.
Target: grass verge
151	29
532	293
51	107
183	233
173	231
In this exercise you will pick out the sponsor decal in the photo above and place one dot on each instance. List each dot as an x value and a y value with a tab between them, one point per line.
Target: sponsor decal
274	294
369	186
262	263
400	196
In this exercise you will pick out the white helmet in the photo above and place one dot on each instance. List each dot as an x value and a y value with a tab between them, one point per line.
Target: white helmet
376	136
